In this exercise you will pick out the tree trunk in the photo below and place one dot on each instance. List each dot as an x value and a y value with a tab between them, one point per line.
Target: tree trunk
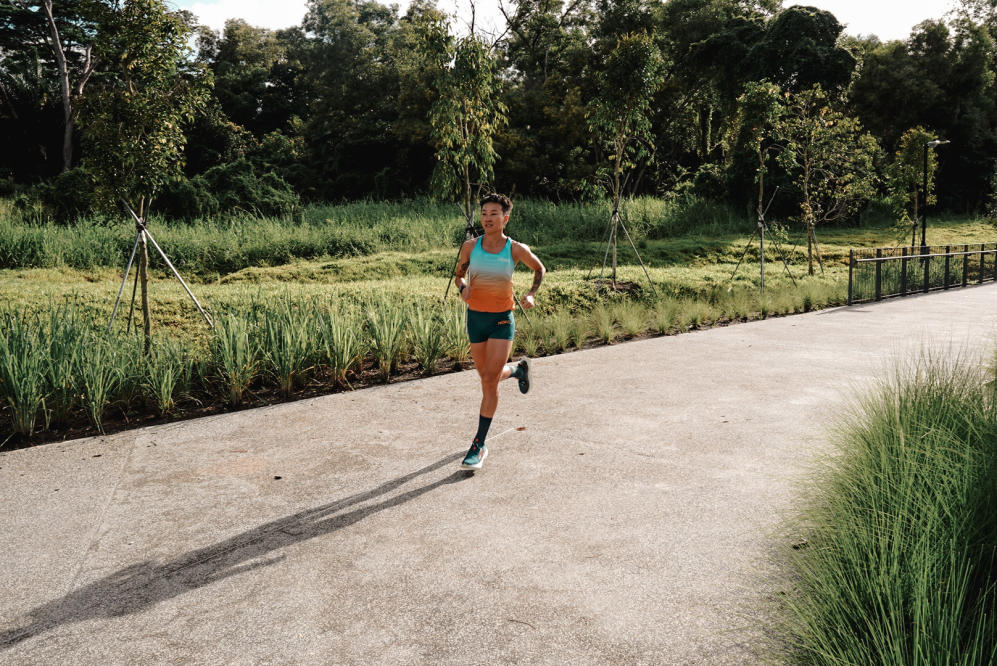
617	193
761	182
467	202
913	238
143	272
67	102
810	248
7	100
616	220
705	113
67	142
761	210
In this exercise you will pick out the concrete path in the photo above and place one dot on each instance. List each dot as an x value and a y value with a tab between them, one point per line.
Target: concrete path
628	513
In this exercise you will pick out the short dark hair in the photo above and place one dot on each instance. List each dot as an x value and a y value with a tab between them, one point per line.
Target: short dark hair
499	199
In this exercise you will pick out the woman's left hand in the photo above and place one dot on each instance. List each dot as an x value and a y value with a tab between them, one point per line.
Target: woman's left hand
526	301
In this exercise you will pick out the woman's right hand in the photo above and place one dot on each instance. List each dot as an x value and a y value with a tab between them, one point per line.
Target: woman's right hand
465	294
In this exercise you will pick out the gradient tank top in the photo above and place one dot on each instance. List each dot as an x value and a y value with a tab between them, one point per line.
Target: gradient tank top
491	279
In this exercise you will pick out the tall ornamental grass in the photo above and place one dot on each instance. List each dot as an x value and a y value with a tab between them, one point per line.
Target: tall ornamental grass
58	365
426	338
22	372
386	328
455	333
66	343
104	370
562	329
603	324
289	343
529	337
234	356
899	566
168	373
343	344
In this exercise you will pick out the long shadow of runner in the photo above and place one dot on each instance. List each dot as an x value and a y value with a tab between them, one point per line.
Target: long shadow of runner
140	586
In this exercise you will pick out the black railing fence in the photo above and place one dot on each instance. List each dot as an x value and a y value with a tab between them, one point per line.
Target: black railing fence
885	272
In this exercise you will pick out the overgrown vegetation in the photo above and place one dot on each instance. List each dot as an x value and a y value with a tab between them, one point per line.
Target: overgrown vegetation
288	325
233	242
55	370
899	562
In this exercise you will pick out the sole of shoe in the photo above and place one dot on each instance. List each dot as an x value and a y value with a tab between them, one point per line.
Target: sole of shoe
529	368
474	468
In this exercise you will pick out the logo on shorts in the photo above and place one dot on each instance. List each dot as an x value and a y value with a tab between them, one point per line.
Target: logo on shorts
504	321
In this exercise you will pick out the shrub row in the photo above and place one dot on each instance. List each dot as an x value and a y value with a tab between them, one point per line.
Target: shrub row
57	367
236	187
239	238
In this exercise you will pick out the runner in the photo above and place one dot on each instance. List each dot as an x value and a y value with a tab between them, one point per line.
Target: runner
488	261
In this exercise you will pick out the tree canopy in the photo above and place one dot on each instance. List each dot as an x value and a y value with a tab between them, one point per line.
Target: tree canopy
356	101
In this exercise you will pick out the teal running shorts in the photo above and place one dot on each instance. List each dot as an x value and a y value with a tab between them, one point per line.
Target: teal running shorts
482	326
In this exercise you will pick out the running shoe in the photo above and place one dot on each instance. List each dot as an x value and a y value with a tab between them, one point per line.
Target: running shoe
524	375
475	456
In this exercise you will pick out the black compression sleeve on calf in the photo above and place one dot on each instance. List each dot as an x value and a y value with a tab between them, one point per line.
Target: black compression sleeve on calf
484	423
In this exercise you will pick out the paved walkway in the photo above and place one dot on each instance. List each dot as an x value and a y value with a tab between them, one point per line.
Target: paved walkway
628	513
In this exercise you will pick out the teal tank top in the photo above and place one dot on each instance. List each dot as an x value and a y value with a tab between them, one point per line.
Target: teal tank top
490	279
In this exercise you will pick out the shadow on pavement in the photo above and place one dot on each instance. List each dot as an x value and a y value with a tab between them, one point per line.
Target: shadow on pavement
143	585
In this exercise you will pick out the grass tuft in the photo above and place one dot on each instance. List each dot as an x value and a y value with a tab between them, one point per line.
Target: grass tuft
386	328
234	355
603	324
341	346
426	338
168	371
22	372
901	532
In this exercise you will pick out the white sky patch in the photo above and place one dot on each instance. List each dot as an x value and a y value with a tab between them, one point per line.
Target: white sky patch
887	19
260	13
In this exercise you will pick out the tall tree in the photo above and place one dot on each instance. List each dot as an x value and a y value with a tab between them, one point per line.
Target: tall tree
24	92
760	110
50	45
546	148
465	117
136	111
619	116
71	90
243	61
352	75
831	160
420	49
906	177
707	43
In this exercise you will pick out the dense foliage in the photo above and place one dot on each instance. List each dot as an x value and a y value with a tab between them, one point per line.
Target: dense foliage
343	106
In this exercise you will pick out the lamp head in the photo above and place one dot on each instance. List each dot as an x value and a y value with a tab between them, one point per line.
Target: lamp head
937	142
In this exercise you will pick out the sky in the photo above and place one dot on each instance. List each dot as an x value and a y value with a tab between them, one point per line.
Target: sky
887	19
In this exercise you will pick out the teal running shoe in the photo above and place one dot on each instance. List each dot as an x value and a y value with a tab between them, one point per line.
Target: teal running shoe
523	375
475	456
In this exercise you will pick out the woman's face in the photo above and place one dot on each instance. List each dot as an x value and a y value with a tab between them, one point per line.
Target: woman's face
493	220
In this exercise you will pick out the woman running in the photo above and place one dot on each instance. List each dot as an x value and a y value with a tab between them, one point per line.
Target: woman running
489	261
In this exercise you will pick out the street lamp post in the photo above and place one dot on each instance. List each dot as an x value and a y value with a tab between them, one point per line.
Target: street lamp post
924	190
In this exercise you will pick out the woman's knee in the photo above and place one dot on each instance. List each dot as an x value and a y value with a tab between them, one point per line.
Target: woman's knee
490	379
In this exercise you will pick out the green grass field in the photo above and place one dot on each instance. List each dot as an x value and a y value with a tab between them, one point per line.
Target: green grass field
346	262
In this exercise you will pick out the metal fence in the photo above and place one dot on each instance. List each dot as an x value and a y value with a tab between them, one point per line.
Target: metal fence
885	272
